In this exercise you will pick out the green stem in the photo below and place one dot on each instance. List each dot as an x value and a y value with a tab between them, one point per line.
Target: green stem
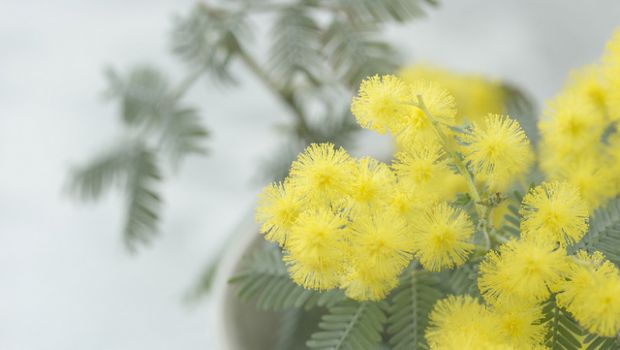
448	146
285	97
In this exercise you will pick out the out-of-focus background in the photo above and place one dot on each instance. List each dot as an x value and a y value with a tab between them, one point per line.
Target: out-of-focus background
66	280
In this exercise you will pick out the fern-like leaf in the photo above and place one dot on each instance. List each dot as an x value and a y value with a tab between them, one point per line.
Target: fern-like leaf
296	45
462	280
596	342
604	232
563	332
183	135
105	171
350	325
385	10
409	309
143	200
521	107
265	280
208	39
144	95
354	52
132	166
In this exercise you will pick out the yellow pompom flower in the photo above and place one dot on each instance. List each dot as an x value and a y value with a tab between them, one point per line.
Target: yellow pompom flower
592	177
554	212
588	81
380	249
442	237
278	208
521	270
591	293
414	126
403	200
498	150
572	125
381	102
461	318
475	96
518	324
369	184
316	249
321	173
422	168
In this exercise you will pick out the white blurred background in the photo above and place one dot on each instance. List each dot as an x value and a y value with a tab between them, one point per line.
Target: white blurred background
66	280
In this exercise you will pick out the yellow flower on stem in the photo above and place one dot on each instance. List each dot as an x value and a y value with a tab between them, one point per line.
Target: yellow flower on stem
518	323
316	249
442	237
461	322
414	127
321	173
381	102
521	270
278	208
554	212
498	149
380	249
591	293
369	186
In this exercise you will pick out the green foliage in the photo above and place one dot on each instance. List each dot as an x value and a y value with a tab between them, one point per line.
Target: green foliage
512	219
264	280
384	11
604	232
462	280
133	167
521	107
410	306
295	46
563	332
595	342
350	325
183	136
207	39
161	127
144	95
355	52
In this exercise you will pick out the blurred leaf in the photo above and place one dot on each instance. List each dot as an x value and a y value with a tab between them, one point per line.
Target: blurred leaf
143	201
384	10
208	39
205	281
296	44
132	166
107	169
276	166
604	232
337	129
521	107
354	52
183	135
144	95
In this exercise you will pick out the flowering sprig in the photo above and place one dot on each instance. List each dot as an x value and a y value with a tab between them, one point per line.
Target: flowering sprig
359	224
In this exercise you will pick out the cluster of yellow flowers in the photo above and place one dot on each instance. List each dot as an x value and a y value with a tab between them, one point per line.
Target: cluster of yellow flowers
580	144
356	224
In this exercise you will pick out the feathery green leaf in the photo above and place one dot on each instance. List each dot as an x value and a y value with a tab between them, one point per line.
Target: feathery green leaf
265	280
350	325
208	39
604	232
563	332
410	306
